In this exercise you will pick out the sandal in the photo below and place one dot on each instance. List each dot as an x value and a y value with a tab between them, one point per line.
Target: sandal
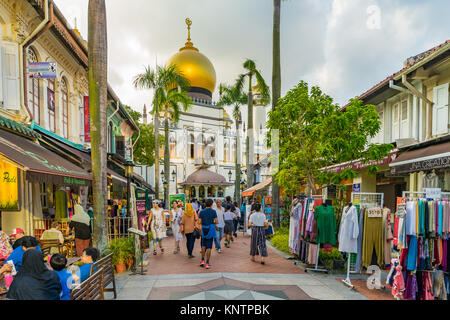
154	252
162	250
262	262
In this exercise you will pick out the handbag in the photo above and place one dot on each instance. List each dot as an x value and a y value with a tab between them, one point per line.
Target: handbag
196	234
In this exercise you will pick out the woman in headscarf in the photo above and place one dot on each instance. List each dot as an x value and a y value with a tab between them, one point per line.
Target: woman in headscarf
80	222
35	281
189	222
5	246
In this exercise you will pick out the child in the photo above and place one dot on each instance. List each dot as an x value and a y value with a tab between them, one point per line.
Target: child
58	263
228	218
90	255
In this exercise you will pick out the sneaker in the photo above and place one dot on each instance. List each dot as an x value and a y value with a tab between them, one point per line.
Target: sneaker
202	264
219	250
207	266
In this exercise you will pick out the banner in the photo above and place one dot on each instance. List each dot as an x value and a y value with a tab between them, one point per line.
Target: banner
42	70
87	125
9	186
180	196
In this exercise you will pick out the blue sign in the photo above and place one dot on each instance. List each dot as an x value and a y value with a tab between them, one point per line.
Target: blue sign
42	70
357	187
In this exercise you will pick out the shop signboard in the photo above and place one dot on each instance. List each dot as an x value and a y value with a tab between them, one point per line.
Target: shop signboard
433	193
425	165
87	126
9	186
360	165
179	196
42	70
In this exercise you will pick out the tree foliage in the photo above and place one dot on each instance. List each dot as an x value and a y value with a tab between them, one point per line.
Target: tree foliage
315	133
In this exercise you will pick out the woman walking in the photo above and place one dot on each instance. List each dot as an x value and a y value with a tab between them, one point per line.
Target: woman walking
80	222
157	223
177	215
258	223
189	223
228	218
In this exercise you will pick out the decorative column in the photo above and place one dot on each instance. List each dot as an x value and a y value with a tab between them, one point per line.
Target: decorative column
215	191
197	190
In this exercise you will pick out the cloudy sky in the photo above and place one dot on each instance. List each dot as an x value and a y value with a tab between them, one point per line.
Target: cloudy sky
344	46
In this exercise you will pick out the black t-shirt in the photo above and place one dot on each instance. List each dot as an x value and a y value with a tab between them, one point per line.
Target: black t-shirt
82	231
207	216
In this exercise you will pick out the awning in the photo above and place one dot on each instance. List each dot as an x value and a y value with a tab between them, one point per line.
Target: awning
117	178
358	165
428	158
40	164
250	191
143	183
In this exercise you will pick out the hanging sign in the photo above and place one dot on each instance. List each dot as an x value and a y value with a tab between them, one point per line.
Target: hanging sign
433	193
9	186
42	70
180	196
87	125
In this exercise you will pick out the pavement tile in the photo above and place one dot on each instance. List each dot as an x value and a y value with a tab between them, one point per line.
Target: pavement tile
276	293
135	283
211	284
295	293
133	294
247	295
322	293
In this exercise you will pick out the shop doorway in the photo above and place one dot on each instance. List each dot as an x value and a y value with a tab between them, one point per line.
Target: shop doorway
391	192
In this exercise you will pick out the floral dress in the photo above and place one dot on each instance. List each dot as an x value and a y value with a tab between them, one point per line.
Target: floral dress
5	246
177	215
158	224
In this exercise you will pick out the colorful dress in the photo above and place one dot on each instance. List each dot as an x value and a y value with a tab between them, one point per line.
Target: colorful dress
5	246
158	225
398	288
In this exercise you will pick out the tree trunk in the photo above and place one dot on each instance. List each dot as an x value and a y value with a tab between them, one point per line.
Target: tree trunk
156	124
98	62
237	167
250	141
276	93
166	159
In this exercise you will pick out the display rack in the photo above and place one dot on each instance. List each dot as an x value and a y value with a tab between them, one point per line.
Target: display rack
369	199
316	268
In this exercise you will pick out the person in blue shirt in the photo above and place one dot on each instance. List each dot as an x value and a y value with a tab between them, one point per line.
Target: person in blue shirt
58	263
89	256
16	256
208	220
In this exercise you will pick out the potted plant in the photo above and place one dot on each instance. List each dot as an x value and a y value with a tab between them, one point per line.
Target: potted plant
328	258
122	250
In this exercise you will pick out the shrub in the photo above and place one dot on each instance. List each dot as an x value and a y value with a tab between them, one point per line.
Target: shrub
281	241
327	258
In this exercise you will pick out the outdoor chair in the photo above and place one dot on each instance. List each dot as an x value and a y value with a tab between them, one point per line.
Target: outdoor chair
90	289
51	243
106	264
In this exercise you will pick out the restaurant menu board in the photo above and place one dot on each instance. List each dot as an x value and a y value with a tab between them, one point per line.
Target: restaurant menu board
180	196
142	221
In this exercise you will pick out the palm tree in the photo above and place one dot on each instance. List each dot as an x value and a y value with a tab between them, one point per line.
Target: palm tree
234	96
263	89
276	93
97	49
170	93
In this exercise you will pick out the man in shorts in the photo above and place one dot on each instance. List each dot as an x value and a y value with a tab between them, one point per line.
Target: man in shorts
208	220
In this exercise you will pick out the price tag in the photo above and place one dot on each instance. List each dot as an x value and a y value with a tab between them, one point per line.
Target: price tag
374	214
401	210
433	193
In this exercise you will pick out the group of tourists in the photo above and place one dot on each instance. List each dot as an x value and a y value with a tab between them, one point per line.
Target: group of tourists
210	221
26	274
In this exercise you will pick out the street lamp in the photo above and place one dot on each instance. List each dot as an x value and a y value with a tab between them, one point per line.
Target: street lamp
242	185
174	175
165	187
128	174
230	174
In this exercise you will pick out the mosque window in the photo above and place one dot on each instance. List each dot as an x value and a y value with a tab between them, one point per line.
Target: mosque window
226	151
191	147
33	90
233	156
173	147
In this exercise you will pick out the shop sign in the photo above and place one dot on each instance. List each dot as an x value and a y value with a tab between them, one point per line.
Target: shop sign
9	187
433	193
438	163
42	70
359	165
357	187
69	180
87	126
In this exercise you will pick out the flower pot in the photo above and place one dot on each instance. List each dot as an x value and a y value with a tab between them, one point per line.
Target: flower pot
120	268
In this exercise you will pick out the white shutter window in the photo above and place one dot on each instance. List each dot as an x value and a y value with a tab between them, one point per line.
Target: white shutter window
440	109
10	75
404	120
395	122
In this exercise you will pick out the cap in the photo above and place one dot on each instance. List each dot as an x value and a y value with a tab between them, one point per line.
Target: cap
16	231
156	201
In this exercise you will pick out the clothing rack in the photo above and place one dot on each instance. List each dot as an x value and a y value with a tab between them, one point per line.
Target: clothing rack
369	199
316	268
417	194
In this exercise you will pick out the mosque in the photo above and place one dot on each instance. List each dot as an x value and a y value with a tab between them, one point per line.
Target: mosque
203	141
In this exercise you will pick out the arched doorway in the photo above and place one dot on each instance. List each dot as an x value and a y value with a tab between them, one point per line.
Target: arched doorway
201	192
192	191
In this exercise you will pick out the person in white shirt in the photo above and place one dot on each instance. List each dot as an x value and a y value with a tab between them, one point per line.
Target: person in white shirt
220	225
258	223
228	218
53	233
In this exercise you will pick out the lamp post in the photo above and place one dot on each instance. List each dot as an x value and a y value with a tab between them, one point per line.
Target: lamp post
165	187
128	173
174	179
230	174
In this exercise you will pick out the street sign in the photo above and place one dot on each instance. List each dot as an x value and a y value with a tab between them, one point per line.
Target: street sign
42	70
357	187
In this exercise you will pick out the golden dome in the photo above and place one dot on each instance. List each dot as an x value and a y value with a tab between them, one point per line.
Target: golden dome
195	66
226	116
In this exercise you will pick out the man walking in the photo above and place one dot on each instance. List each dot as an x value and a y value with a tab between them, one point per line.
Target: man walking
220	225
208	221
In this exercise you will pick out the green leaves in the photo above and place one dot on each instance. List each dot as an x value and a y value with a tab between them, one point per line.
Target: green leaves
315	133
